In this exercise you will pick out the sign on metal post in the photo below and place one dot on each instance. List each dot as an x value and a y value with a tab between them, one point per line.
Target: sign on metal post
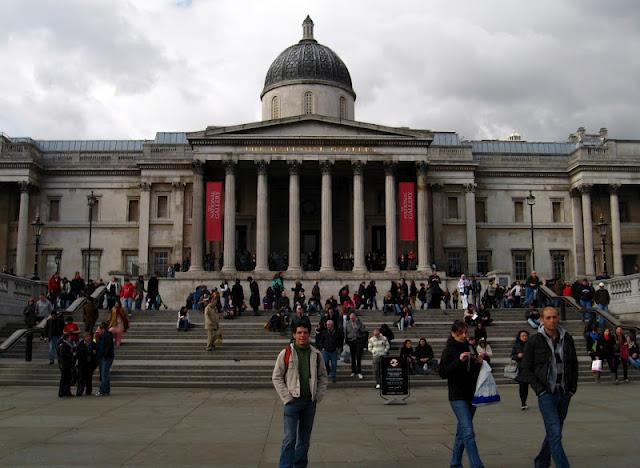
395	380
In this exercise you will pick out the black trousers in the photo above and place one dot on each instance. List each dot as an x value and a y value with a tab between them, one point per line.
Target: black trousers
85	377
355	348
524	392
28	349
66	374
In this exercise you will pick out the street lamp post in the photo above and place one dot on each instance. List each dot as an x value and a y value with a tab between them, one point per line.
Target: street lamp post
531	201
91	201
602	227
37	232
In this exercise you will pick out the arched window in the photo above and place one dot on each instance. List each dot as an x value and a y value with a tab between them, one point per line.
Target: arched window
275	107
308	102
343	107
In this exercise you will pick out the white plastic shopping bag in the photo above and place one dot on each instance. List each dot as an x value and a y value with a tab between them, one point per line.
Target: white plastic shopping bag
486	389
596	365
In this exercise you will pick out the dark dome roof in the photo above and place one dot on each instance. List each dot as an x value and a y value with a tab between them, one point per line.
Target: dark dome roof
307	61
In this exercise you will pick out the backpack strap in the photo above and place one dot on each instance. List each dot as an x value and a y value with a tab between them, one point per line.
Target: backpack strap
287	358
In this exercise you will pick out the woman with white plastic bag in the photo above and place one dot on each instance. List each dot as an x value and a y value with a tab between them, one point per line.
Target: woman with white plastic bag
517	353
461	365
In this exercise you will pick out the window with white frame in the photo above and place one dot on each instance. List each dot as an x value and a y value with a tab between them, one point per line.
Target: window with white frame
160	262
308	102
94	263
130	262
484	261
520	264
275	107
50	265
454	262
558	263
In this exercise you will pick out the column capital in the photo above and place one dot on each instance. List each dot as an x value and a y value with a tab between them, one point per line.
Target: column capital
24	186
325	167
470	188
436	186
357	167
389	167
229	166
421	167
262	166
585	188
145	186
294	166
197	167
614	188
177	185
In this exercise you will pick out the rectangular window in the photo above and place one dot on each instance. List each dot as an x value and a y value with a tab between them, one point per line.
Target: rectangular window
130	263
556	211
454	262
623	207
51	266
558	262
95	211
162	206
94	266
133	210
518	211
452	208
481	210
484	262
54	210
521	265
160	262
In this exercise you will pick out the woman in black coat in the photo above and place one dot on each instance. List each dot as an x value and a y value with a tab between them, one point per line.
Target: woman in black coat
460	365
517	352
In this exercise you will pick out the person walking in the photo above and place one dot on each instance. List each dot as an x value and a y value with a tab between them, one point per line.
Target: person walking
127	296
105	354
460	365
237	298
66	356
139	292
301	382
153	289
254	298
330	341
354	331
517	353
113	292
550	366
621	355
463	290
531	290
212	324
378	347
118	322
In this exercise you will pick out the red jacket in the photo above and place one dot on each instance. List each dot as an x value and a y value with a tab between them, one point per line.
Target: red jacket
128	291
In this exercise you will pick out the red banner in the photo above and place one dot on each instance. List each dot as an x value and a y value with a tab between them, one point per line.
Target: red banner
213	212
407	211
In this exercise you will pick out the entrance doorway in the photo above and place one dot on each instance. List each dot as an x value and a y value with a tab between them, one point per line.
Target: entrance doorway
378	247
309	249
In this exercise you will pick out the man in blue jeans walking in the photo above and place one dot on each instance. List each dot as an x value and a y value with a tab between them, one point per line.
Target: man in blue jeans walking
550	366
105	355
329	341
300	379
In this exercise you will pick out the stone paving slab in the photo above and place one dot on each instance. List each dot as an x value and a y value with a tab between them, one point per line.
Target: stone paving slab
238	428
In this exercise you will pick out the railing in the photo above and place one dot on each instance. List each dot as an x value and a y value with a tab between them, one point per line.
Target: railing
14	293
625	296
17	335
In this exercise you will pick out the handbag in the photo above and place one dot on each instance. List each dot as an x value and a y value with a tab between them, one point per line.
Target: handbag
346	355
486	389
511	370
596	365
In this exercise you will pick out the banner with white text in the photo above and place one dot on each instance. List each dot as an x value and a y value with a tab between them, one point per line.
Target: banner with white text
213	212
407	211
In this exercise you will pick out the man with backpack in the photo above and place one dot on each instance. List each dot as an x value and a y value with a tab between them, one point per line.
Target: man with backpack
300	379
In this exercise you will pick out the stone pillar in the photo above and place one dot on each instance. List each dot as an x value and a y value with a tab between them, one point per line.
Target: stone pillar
423	213
390	209
294	217
143	228
359	264
326	219
472	248
197	234
178	221
616	237
262	218
23	230
229	250
587	223
578	234
437	210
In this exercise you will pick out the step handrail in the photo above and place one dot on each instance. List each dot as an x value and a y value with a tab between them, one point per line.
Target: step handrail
17	335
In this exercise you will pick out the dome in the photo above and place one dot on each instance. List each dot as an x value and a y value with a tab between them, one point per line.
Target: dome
308	62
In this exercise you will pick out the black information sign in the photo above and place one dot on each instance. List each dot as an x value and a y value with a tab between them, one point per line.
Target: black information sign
395	376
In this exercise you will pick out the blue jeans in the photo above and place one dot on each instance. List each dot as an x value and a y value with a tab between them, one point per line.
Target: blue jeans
127	304
554	407
529	294
53	353
105	377
298	423
331	358
465	437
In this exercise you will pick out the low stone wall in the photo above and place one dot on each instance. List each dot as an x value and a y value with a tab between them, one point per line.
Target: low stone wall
14	293
625	297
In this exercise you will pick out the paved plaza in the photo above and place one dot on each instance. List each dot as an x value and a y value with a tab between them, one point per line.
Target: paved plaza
174	427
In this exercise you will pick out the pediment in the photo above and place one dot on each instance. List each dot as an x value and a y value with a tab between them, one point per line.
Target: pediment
311	127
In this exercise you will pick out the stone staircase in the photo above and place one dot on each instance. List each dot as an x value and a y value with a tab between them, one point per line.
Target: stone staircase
155	354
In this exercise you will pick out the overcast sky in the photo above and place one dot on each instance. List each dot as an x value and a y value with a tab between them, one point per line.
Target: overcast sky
111	69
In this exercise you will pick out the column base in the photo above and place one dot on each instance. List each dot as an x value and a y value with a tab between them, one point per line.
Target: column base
359	269
392	269
261	269
195	268
294	270
228	269
327	269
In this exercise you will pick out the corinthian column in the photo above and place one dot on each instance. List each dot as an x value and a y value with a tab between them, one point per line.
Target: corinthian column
262	218
472	247
358	217
229	255
197	222
326	220
143	227
587	224
178	220
390	217
23	229
616	238
423	232
294	217
578	233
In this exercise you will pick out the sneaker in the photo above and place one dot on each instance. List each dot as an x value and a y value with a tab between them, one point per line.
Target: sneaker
207	348
50	363
627	380
360	376
617	382
377	385
352	375
524	407
99	394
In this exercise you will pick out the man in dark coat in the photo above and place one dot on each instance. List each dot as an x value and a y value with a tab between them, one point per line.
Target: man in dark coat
30	321
87	363
254	298
66	355
237	298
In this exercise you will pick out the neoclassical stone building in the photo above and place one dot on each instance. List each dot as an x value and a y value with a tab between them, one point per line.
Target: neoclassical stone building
310	181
